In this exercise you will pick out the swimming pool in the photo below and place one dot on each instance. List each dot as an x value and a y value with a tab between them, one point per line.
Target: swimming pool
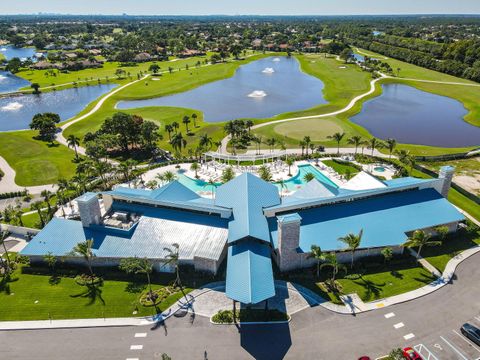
291	184
379	169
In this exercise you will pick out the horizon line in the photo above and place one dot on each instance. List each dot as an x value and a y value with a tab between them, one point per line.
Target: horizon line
40	13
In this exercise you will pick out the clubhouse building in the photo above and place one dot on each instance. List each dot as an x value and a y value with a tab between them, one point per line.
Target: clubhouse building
250	224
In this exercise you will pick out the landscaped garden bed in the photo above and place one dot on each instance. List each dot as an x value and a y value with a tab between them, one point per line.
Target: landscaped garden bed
249	315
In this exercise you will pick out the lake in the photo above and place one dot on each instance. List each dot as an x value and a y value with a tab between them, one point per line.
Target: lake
16	112
413	116
10	52
10	82
259	89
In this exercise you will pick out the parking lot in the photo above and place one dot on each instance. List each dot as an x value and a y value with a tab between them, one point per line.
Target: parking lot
450	344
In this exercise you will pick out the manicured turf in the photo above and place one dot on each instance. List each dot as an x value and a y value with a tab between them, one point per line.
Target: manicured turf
341	168
35	162
62	298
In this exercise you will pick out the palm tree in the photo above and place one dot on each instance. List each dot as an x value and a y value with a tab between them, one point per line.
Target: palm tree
18	214
213	185
420	239
355	140
194	167
228	174
102	169
289	162
169	176
317	254
3	238
37	206
169	129
139	266
249	124
84	249
330	260
47	196
308	177
258	141
374	143
178	142
175	126
391	144
271	142
125	168
402	155
194	118
186	121
73	141
282	186
265	173
302	145
353	242
338	138
205	141
173	258
307	142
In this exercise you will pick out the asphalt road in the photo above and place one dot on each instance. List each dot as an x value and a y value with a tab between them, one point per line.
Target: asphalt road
430	323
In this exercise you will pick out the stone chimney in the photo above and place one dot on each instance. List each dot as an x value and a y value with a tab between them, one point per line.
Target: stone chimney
446	173
89	208
288	241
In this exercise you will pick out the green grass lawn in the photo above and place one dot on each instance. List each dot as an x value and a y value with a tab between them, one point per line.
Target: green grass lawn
439	256
35	162
62	298
371	280
341	168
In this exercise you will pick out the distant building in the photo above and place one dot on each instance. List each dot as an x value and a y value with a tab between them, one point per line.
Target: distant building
249	224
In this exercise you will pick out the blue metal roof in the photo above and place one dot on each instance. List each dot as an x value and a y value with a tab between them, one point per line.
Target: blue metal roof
197	234
247	195
249	273
385	219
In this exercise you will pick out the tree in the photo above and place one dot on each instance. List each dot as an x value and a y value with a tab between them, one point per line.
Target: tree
353	242
154	68
346	55
46	125
317	254
265	173
330	260
84	249
289	162
73	142
8	265
194	118
178	142
195	167
302	145
186	121
205	141
356	141
173	258
47	196
36	88
387	254
120	73
307	142
211	183
419	239
308	177
37	206
50	260
169	176
338	138
374	143
125	168
169	129
135	265
13	65
442	232
228	174
391	144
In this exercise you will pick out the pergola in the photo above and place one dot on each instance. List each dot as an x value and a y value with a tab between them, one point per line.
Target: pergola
244	157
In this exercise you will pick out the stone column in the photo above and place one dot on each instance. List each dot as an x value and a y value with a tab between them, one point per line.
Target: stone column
446	173
288	241
89	208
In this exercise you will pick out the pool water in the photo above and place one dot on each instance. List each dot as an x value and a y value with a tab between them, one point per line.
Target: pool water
292	184
379	169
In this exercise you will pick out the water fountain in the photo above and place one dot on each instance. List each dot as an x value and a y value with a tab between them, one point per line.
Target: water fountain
268	70
257	94
13	106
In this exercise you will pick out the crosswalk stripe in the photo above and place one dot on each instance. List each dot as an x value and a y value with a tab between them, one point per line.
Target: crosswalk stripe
389	315
140	335
399	325
136	347
409	336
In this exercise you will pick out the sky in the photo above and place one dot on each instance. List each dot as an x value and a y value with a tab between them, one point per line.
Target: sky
241	7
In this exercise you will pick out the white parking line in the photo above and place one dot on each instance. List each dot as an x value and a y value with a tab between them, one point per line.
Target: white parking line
136	347
399	325
453	348
140	335
466	340
132	359
409	336
389	315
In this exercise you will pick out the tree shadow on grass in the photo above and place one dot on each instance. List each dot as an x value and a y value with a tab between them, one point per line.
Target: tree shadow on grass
426	279
93	293
54	280
372	290
135	287
5	284
396	274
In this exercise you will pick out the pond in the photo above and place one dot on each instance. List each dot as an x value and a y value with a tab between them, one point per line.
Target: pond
412	116
16	112
260	89
10	82
10	52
